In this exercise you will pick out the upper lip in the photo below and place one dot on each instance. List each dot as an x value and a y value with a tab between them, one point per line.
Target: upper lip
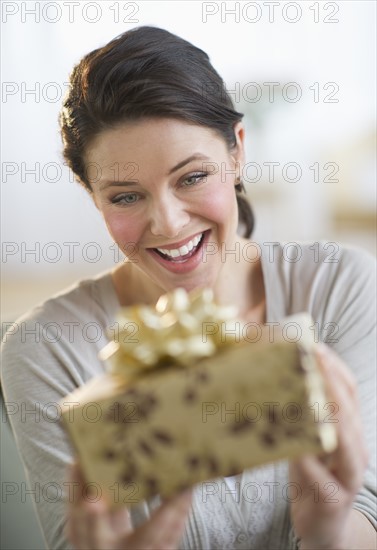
179	243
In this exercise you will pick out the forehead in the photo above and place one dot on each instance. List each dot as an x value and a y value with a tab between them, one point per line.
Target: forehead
157	141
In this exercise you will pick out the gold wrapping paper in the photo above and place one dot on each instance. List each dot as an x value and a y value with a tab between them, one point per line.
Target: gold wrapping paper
179	406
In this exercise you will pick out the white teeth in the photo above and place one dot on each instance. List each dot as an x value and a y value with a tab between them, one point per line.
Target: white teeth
182	250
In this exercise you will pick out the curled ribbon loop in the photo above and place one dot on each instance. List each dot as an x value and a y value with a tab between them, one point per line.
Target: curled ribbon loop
180	330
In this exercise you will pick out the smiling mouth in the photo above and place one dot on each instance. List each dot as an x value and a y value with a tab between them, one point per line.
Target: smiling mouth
177	255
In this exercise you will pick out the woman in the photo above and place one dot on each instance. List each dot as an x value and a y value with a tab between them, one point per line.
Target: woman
150	132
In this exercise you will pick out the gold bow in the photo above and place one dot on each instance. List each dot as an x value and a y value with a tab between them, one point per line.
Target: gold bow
181	329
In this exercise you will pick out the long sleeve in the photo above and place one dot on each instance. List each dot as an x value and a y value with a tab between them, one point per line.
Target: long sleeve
337	286
53	350
45	355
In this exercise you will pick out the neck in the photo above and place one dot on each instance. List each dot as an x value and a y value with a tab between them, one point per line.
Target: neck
240	284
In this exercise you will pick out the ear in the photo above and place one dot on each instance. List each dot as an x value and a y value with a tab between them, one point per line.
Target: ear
238	151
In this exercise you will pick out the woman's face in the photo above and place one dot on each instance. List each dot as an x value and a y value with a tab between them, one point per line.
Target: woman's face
166	191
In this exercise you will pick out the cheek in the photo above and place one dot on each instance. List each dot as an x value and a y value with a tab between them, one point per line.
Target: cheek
220	205
123	228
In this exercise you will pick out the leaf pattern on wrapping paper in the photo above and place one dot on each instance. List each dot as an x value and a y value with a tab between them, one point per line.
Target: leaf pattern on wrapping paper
268	439
190	395
121	416
162	436
141	405
206	461
146	448
240	426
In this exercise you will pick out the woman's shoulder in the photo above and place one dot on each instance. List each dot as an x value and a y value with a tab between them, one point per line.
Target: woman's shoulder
319	277
305	260
85	296
78	314
312	254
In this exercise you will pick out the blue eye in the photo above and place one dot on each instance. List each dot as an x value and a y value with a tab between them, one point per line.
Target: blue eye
194	179
125	198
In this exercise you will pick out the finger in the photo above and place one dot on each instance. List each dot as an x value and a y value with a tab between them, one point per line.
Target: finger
72	505
176	512
88	522
341	374
165	528
326	495
77	483
336	374
81	526
348	460
79	509
313	480
96	530
330	360
121	521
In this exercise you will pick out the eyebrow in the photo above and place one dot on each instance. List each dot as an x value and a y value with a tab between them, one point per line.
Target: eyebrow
195	156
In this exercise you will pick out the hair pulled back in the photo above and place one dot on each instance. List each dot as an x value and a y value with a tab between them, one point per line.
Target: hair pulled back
143	73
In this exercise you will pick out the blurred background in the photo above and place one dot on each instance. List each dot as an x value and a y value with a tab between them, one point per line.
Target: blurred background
304	74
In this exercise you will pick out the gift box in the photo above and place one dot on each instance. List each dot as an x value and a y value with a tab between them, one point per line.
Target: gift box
191	395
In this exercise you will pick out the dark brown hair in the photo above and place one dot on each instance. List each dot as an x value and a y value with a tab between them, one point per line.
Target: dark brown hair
143	73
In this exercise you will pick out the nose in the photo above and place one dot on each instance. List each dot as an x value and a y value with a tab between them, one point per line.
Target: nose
168	216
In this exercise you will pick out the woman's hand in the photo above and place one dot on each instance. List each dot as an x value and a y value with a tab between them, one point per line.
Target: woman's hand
321	517
93	526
